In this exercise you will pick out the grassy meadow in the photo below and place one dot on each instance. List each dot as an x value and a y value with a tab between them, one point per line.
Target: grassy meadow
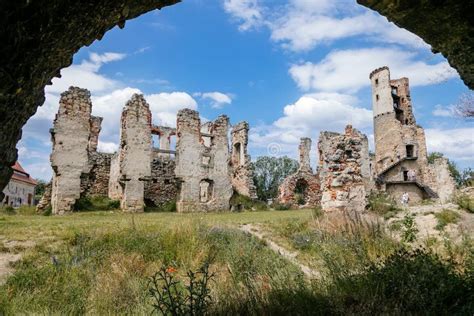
102	263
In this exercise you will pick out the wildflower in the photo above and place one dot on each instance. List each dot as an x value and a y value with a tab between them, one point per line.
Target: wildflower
171	270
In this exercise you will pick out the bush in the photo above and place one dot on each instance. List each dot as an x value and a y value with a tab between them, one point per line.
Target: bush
7	210
382	204
26	210
281	206
406	283
165	207
446	217
96	203
409	228
465	202
241	202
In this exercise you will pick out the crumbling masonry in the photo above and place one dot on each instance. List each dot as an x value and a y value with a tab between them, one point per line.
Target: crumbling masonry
401	164
303	187
200	175
344	170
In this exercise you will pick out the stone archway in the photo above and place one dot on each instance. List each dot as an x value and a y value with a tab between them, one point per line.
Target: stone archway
40	38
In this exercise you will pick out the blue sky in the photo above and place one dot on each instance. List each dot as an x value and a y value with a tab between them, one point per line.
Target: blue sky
289	68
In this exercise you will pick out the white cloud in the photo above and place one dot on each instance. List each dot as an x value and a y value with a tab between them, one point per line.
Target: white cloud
301	25
456	144
348	70
444	111
107	147
307	117
247	12
165	106
218	99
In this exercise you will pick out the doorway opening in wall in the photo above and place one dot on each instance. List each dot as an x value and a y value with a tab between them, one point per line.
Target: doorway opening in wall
206	188
410	151
301	189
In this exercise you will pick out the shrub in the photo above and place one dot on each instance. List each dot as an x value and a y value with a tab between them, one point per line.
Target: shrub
281	206
8	210
465	202
409	228
96	203
446	217
241	202
406	283
382	204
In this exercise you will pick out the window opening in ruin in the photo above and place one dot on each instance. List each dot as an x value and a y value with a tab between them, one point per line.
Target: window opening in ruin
410	150
173	142
206	160
301	189
376	81
349	153
405	175
406	121
377	97
237	153
394	90
206	188
156	140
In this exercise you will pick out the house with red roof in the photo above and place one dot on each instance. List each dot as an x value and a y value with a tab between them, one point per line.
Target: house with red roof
21	188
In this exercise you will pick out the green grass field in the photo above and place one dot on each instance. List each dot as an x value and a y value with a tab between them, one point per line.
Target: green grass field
102	263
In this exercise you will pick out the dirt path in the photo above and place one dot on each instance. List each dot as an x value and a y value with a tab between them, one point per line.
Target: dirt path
289	255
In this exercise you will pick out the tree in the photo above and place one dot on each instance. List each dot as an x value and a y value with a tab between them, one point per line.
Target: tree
269	173
465	106
40	187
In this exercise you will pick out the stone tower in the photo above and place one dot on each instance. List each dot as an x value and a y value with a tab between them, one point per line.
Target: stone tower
401	163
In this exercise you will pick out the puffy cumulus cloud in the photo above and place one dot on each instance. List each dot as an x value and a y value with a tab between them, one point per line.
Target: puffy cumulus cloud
456	144
301	25
347	70
307	117
218	99
164	106
248	13
86	75
107	147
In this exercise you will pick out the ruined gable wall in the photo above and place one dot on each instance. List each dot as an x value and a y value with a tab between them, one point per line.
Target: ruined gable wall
69	157
242	172
196	162
343	170
135	152
302	177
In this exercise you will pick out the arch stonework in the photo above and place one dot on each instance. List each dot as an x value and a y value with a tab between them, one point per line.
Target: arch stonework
40	38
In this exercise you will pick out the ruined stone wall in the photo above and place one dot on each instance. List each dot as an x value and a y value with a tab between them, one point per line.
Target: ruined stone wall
69	158
203	171
303	187
115	190
242	172
45	200
343	170
415	194
135	152
439	178
96	182
163	187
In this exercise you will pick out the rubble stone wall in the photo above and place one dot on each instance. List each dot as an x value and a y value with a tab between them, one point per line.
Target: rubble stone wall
203	171
96	182
343	170
69	158
163	187
440	179
242	172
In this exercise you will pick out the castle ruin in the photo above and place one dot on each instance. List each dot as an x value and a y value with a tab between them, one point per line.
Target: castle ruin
200	175
303	187
401	161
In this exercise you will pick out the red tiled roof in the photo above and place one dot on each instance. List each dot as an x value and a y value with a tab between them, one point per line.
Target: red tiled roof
20	174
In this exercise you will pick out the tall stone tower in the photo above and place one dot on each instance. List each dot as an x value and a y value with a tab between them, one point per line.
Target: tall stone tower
401	163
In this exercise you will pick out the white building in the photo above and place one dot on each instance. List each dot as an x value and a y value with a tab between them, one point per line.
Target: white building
21	188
